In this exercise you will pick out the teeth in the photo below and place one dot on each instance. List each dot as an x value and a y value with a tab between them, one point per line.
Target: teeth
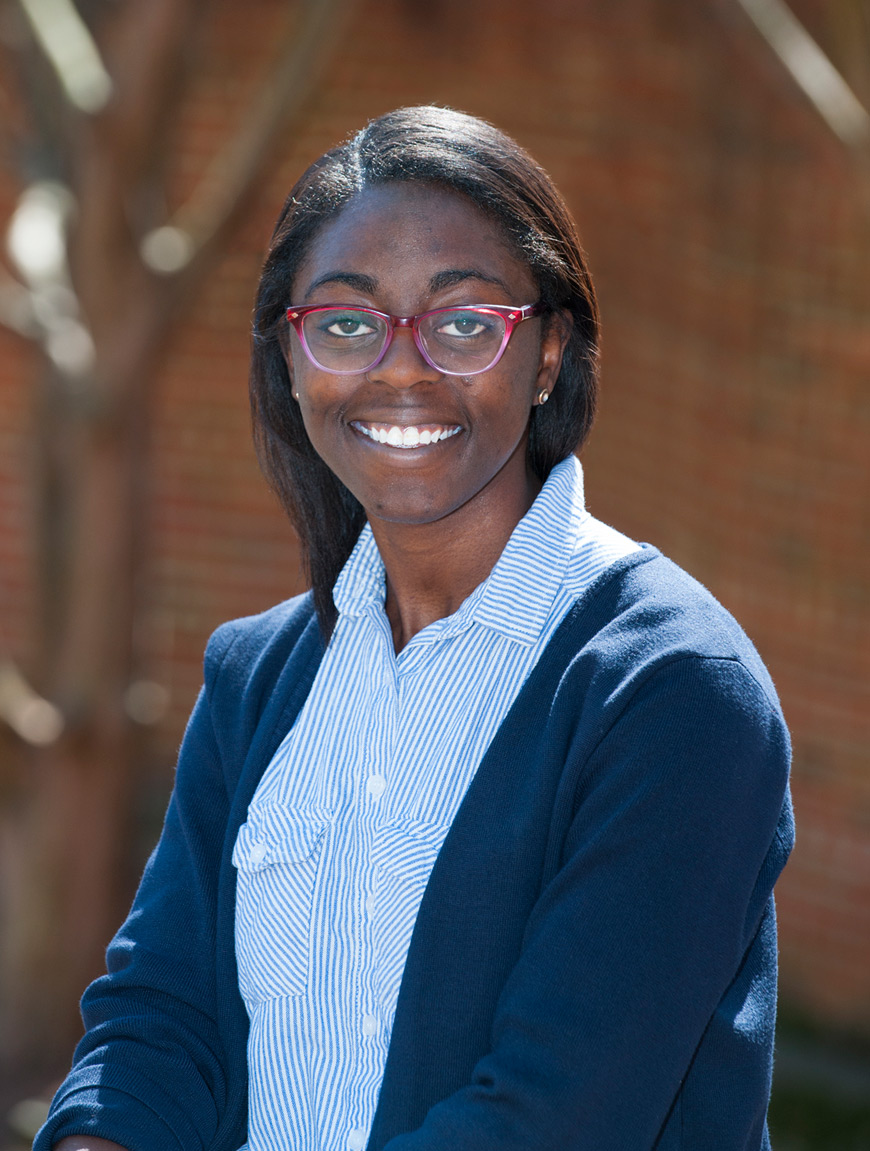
410	437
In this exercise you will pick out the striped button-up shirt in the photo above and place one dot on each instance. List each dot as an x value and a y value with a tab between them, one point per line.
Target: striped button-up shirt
348	818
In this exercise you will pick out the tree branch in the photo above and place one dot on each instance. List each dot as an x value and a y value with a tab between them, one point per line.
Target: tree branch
148	55
70	49
813	72
201	224
38	135
32	718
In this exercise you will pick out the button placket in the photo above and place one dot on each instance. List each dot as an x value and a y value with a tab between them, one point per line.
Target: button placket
361	1108
376	785
372	783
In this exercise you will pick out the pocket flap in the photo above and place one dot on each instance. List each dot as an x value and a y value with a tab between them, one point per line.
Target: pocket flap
275	833
408	848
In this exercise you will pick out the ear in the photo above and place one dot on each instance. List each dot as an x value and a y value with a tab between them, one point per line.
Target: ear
554	340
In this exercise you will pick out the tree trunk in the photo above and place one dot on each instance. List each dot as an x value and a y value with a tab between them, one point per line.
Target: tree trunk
60	850
64	832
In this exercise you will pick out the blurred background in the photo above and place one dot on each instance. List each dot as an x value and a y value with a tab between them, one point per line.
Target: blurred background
716	154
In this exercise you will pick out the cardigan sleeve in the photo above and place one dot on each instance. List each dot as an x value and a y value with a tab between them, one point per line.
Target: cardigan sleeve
681	823
151	1070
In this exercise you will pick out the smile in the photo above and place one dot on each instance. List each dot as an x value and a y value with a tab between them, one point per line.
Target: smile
414	436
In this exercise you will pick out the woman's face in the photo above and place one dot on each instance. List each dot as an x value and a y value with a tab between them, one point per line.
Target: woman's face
405	249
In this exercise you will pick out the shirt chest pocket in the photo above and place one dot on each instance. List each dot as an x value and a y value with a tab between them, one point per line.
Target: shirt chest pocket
276	855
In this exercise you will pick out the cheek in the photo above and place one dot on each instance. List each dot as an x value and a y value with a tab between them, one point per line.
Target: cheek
522	363
315	391
322	401
298	365
292	373
513	401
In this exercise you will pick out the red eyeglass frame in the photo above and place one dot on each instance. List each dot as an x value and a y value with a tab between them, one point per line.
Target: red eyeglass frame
511	316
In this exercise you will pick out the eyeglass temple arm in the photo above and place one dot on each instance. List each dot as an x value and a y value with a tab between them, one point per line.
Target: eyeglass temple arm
517	315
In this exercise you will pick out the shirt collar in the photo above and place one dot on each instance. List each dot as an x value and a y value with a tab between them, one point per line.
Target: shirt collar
518	594
362	581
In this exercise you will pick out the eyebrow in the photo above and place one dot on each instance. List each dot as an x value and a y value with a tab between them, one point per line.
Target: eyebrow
451	276
445	279
366	284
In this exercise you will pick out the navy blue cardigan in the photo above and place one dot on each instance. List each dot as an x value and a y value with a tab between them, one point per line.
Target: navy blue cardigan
593	967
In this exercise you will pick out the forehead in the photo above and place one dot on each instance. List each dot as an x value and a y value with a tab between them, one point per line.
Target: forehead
402	235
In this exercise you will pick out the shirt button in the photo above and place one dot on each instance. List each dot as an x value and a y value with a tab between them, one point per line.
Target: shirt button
369	1025
258	852
356	1140
376	785
370	904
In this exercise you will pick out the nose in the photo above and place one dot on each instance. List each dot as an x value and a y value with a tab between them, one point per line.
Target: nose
403	364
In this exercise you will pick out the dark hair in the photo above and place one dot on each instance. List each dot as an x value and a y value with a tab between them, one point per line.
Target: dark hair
440	147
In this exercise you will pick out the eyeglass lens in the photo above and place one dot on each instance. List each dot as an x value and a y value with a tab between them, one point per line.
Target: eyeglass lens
457	341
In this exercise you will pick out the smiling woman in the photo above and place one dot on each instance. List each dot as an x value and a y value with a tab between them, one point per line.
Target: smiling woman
472	847
507	238
456	385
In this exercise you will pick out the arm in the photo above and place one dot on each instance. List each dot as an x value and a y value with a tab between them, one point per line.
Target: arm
163	1060
640	931
151	1070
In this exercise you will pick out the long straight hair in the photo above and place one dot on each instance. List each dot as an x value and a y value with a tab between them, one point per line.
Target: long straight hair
460	153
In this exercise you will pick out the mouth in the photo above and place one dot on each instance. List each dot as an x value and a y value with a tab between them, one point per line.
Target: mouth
406	436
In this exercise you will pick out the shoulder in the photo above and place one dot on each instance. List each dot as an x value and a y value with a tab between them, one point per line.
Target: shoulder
644	626
659	685
246	659
240	647
645	610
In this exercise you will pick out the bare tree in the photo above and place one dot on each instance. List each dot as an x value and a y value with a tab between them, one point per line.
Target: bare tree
97	277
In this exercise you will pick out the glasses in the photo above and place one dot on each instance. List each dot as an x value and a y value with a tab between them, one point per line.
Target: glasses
458	341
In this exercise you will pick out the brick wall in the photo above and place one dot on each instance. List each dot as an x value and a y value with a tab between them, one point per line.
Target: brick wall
728	234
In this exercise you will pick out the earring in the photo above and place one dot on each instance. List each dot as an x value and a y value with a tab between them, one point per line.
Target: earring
543	396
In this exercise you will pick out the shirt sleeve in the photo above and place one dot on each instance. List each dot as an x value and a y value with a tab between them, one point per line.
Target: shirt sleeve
151	1071
680	824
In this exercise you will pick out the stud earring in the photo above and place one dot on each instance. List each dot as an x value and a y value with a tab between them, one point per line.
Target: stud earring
543	396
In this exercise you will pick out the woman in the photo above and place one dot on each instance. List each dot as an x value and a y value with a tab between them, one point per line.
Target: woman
473	847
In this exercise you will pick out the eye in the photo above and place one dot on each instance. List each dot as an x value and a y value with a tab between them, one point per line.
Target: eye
346	324
462	325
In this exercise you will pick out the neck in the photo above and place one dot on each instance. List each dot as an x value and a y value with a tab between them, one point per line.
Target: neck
432	568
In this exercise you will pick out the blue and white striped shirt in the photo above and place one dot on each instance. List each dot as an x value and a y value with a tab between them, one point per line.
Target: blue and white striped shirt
348	818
